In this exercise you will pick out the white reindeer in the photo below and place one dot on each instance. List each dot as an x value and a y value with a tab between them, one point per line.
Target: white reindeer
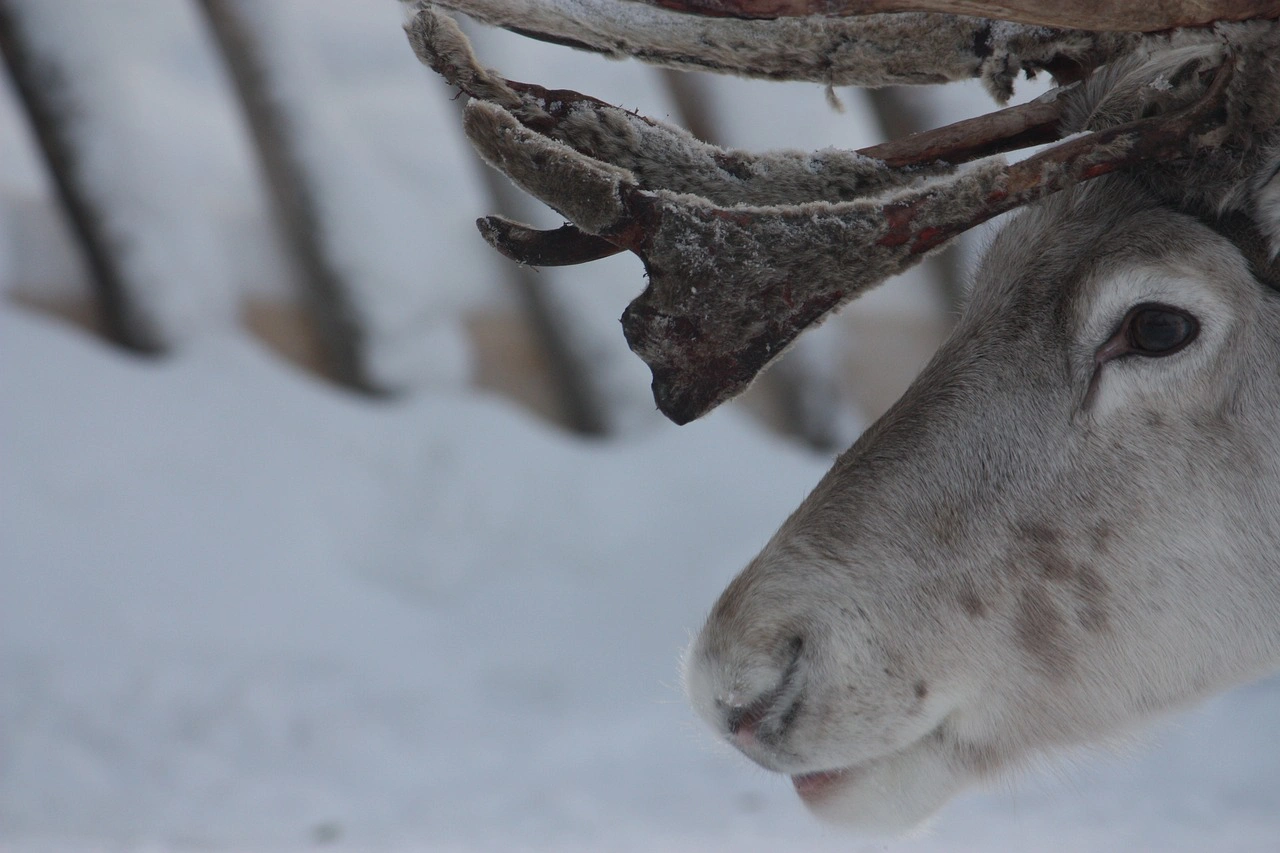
1071	521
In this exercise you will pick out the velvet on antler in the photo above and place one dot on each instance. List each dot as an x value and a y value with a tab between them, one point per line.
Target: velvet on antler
745	251
1080	14
866	50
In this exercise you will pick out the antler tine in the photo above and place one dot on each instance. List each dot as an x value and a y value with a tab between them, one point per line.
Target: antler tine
662	157
872	50
558	247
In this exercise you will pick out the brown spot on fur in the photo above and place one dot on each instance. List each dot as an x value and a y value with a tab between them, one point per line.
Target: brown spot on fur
1055	566
1015	566
1092	590
1045	549
980	758
1041	632
1038	534
972	605
921	690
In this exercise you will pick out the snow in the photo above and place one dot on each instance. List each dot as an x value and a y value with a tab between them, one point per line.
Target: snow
239	609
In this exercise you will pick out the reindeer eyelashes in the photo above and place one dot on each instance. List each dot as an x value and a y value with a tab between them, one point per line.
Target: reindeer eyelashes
1151	330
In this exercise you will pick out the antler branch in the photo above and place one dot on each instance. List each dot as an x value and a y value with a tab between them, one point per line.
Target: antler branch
871	50
1067	14
908	159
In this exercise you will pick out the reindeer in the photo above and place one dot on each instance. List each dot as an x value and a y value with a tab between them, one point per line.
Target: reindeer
1068	523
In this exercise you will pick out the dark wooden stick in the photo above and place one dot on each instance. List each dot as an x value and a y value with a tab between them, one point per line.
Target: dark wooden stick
327	294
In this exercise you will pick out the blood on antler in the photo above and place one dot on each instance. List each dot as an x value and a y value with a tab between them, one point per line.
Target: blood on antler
745	251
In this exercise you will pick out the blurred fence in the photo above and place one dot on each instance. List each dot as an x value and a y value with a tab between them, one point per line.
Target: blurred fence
368	220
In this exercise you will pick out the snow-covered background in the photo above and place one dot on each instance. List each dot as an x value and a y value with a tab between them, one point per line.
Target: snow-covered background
243	609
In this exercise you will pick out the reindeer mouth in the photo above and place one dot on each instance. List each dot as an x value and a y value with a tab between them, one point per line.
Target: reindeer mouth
815	787
899	775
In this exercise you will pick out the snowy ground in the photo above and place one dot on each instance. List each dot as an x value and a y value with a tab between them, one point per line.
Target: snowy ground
240	610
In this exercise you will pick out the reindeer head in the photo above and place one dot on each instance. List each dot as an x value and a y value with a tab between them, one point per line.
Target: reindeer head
1064	526
1067	523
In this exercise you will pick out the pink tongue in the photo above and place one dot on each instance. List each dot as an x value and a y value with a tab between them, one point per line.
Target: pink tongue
814	785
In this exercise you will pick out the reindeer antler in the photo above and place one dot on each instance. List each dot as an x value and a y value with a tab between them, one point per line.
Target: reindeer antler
867	50
745	251
1081	14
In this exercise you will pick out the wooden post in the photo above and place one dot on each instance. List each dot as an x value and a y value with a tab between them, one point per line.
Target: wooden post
48	98
327	295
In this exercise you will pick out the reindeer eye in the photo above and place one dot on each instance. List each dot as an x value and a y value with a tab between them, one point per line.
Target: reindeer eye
1156	330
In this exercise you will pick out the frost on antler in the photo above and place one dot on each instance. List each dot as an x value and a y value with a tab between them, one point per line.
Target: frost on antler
870	50
745	251
1080	14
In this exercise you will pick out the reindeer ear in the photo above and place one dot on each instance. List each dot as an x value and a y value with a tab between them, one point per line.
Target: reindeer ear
1142	84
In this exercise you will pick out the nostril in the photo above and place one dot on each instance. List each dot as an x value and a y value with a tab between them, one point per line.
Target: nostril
747	719
743	720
